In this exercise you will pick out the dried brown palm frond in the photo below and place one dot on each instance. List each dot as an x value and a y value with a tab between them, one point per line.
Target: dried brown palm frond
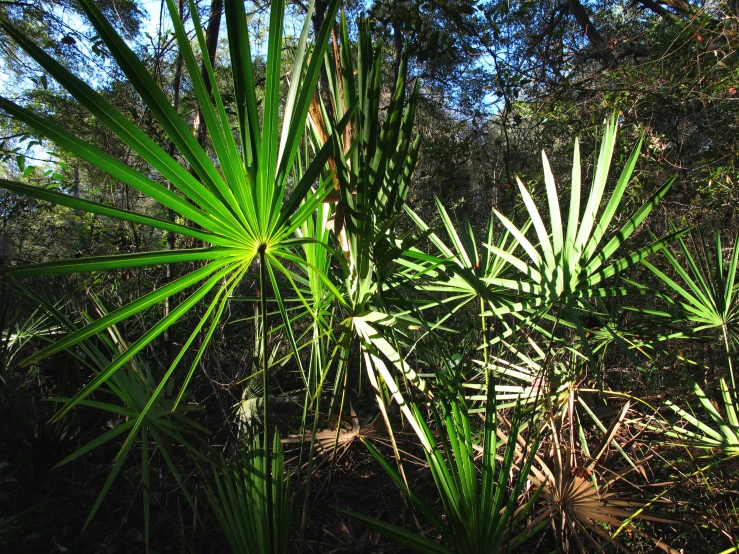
588	503
342	435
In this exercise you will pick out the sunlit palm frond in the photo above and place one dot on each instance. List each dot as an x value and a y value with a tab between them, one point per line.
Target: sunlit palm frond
573	261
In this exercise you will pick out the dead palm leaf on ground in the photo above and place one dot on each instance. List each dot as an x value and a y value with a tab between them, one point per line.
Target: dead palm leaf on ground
588	503
340	437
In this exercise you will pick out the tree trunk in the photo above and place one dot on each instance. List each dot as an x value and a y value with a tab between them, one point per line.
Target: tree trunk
583	19
211	45
319	15
397	50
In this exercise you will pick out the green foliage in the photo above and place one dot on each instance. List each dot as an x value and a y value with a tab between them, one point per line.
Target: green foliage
720	432
306	192
483	514
709	301
243	212
127	394
239	500
570	262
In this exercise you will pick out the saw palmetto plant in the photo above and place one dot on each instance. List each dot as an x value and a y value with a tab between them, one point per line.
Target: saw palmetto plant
587	502
572	263
706	300
244	206
304	190
470	263
374	165
550	280
484	507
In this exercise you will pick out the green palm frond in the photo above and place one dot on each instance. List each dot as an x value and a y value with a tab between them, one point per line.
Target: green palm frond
471	259
18	334
461	271
244	204
572	261
127	393
485	513
238	499
708	297
719	432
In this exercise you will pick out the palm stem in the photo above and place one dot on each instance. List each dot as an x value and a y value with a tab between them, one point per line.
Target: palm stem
484	332
265	396
306	496
316	365
728	355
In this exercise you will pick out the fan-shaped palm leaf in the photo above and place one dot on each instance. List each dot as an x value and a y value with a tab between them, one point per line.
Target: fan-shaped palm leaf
572	262
587	502
720	433
240	205
709	299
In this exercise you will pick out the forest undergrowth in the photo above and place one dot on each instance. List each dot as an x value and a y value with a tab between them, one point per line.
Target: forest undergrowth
291	345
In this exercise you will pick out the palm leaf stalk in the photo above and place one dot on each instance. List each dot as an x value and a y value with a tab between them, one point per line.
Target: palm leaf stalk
265	400
327	350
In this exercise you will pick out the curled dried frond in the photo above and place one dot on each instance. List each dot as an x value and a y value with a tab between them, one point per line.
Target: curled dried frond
589	503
